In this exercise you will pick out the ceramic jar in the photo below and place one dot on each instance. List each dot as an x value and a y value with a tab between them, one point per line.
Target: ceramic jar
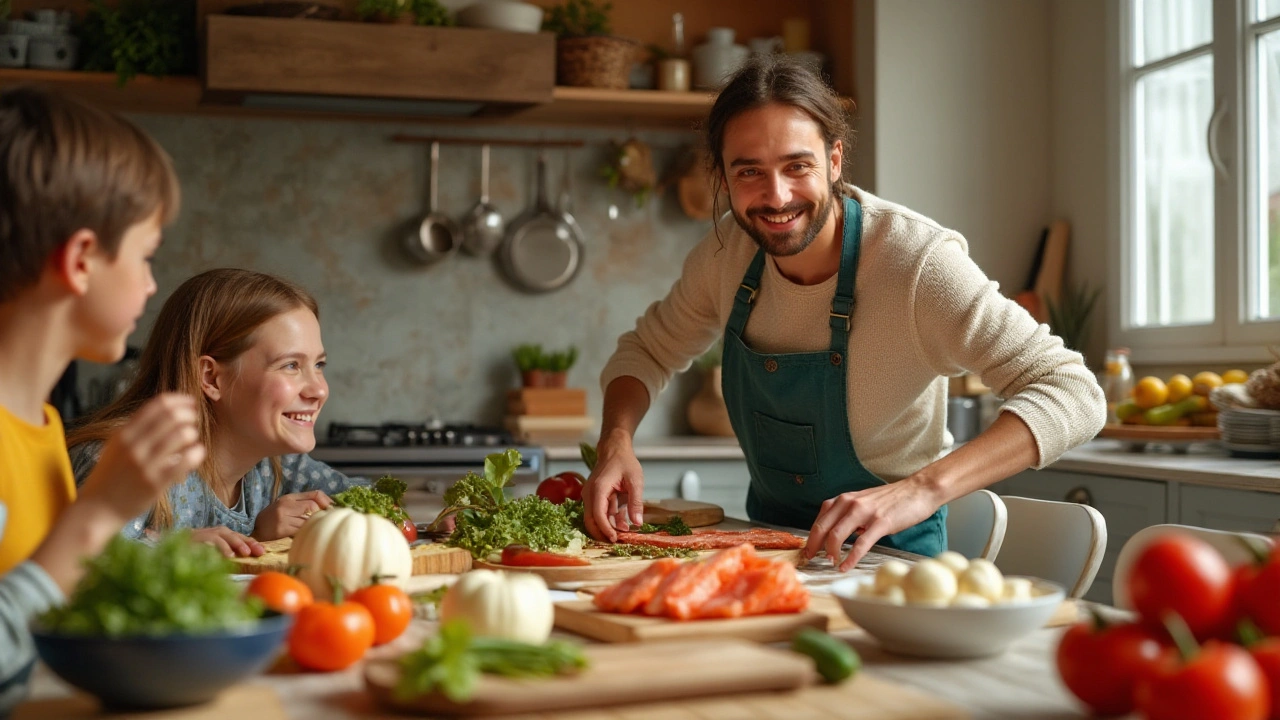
707	413
716	59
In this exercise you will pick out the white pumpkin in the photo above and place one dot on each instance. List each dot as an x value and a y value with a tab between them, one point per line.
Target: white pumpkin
496	603
351	547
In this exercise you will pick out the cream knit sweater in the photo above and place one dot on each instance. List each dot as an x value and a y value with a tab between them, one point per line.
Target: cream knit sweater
923	310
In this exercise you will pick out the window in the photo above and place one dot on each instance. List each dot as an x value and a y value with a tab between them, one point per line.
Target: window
1199	251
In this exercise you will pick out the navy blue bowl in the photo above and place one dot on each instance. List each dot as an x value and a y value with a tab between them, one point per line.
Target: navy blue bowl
166	671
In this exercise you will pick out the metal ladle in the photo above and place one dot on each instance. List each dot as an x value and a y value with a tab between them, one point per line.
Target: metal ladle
437	235
483	228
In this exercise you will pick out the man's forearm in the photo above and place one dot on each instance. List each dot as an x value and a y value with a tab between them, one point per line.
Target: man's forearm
1002	450
626	400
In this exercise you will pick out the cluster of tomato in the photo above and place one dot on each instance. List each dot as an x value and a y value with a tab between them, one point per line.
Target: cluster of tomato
1206	643
329	636
558	488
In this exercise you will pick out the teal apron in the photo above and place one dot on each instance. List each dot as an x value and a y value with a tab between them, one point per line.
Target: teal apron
791	415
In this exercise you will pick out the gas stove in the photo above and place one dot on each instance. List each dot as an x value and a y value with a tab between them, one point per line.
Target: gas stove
403	434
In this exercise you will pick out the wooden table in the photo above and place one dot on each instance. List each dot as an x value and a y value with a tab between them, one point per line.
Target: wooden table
1020	683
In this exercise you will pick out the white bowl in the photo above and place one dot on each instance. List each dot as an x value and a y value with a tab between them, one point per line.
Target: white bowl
501	15
947	632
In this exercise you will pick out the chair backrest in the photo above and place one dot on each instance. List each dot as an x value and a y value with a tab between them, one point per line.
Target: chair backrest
1226	542
1062	542
976	524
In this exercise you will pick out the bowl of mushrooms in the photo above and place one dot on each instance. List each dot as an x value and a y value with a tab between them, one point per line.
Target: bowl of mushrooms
947	607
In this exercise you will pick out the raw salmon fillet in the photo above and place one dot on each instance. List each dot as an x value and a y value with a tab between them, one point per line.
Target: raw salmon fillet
635	591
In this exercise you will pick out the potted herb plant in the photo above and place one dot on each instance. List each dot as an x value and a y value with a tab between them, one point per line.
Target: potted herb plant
543	369
416	12
1069	317
587	54
135	37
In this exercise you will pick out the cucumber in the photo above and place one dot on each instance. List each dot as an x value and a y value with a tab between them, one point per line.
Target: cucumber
833	658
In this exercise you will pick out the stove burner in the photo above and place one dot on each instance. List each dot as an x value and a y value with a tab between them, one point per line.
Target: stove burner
411	434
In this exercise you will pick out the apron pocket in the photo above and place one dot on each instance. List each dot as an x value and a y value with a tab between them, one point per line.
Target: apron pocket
780	444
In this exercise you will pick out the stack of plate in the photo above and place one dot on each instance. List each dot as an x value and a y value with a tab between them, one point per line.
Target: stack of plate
1249	433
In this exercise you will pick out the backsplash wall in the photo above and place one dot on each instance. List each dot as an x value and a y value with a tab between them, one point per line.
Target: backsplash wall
326	203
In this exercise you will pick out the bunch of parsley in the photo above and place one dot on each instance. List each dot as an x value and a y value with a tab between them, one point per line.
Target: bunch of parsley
384	499
487	520
175	586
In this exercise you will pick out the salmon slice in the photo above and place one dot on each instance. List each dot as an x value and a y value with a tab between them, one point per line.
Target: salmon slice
728	602
684	596
635	591
658	602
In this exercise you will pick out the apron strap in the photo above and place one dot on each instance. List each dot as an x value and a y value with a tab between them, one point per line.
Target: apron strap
850	249
746	295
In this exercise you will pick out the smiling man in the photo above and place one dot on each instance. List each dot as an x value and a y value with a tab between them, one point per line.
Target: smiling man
842	314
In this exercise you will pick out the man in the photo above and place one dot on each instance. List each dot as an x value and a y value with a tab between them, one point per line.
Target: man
842	314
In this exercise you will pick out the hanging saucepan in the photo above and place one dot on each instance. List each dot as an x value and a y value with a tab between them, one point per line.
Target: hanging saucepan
543	248
437	236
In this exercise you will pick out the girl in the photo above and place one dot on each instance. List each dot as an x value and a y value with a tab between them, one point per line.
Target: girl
247	346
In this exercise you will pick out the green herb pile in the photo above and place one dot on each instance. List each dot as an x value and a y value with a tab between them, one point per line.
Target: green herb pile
132	37
383	498
132	588
487	520
674	526
649	552
452	661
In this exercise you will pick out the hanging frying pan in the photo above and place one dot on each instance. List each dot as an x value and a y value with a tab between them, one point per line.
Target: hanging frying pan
542	250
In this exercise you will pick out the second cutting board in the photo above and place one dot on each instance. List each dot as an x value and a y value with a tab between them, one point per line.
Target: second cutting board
428	559
585	619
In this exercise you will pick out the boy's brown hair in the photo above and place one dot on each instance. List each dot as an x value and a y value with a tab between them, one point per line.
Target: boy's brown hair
64	167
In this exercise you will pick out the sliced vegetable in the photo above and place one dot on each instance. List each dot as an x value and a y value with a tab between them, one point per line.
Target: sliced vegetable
833	658
522	556
494	603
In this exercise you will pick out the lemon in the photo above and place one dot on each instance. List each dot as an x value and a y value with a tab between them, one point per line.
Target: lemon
1150	392
1205	382
1179	387
1234	376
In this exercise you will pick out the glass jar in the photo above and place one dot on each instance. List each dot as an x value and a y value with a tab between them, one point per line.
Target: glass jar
1117	380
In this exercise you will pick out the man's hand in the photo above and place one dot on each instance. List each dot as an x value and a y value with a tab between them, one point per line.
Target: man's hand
228	542
613	498
156	448
873	514
287	514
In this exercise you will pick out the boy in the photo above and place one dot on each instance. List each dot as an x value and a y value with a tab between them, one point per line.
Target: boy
83	195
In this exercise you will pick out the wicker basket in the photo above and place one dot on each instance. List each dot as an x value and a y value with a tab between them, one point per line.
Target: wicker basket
601	61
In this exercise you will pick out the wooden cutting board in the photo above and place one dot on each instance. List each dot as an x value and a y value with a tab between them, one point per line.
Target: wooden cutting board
607	569
583	618
428	559
1158	433
242	701
694	513
617	675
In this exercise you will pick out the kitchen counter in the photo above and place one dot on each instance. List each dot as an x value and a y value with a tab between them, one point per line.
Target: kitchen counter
679	447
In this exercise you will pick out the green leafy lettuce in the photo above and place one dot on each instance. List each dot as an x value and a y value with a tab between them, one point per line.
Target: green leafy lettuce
487	520
133	588
383	498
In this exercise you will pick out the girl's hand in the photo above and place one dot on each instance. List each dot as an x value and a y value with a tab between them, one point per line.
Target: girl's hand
287	514
228	541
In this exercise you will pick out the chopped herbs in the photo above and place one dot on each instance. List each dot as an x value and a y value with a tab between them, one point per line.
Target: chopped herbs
451	661
374	501
674	526
134	588
649	552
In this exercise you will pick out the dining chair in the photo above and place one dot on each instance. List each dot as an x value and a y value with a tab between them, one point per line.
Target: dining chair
1062	542
976	524
1226	542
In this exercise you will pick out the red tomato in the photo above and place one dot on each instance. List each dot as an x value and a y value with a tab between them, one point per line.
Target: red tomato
409	529
1259	594
1185	575
521	556
328	636
280	592
558	488
390	607
1101	664
1220	681
1267	655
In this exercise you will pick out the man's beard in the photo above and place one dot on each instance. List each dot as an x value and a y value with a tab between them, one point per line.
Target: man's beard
790	242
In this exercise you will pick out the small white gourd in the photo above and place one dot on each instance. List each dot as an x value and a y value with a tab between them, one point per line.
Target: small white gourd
982	578
929	583
496	603
351	547
954	560
890	575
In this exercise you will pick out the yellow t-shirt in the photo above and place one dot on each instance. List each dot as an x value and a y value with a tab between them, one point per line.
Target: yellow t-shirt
36	483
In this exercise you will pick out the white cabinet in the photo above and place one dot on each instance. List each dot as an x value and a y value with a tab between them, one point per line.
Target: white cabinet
1128	506
723	482
1227	509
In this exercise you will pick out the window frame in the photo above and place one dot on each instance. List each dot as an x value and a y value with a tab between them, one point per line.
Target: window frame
1229	338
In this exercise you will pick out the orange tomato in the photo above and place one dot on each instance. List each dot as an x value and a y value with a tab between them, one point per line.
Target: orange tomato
328	636
280	592
390	607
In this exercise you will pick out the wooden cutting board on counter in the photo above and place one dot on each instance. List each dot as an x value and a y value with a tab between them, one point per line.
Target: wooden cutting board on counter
607	569
694	513
585	619
428	559
697	679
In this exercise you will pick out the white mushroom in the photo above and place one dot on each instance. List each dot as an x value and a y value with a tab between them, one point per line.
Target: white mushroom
982	578
929	583
894	596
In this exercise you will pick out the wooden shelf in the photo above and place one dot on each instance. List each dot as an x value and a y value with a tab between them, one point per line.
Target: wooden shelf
639	108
